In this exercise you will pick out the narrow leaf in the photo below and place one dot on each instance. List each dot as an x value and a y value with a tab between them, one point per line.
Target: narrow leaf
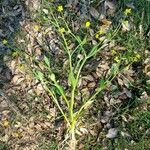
47	61
71	78
39	75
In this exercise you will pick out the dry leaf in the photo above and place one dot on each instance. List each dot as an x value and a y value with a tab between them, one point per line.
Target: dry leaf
91	85
120	82
88	78
110	4
17	79
94	13
106	22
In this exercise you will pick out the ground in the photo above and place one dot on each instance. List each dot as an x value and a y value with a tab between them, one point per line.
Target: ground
42	47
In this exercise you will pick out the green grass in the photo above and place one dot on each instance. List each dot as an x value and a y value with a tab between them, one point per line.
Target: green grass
48	146
3	147
138	128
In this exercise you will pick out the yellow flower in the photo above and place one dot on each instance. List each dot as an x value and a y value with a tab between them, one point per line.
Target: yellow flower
5	42
87	24
5	123
60	8
113	52
127	11
61	30
138	56
126	22
97	36
37	27
116	59
101	31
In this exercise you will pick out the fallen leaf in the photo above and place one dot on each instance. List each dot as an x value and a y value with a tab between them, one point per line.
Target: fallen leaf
120	82
17	79
94	13
91	85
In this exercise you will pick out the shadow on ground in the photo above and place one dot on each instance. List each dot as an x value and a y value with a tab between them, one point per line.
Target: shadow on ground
11	13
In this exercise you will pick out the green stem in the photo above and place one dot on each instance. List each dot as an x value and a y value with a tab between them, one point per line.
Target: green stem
72	104
73	141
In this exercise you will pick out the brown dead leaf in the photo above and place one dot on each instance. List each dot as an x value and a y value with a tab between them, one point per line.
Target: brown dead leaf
94	13
85	91
106	22
17	79
110	6
144	95
88	78
91	85
147	70
120	82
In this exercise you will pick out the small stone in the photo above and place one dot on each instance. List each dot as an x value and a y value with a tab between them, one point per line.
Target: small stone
112	133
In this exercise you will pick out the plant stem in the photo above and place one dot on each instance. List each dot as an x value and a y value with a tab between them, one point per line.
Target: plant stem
73	141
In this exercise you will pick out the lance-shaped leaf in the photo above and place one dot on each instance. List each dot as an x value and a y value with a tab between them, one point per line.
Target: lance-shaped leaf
71	79
39	75
46	60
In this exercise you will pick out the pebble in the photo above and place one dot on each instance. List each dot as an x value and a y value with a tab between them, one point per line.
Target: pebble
112	133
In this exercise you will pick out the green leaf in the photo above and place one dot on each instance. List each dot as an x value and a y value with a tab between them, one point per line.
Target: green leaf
102	84
81	41
60	89
52	77
39	75
93	51
71	79
96	49
47	61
